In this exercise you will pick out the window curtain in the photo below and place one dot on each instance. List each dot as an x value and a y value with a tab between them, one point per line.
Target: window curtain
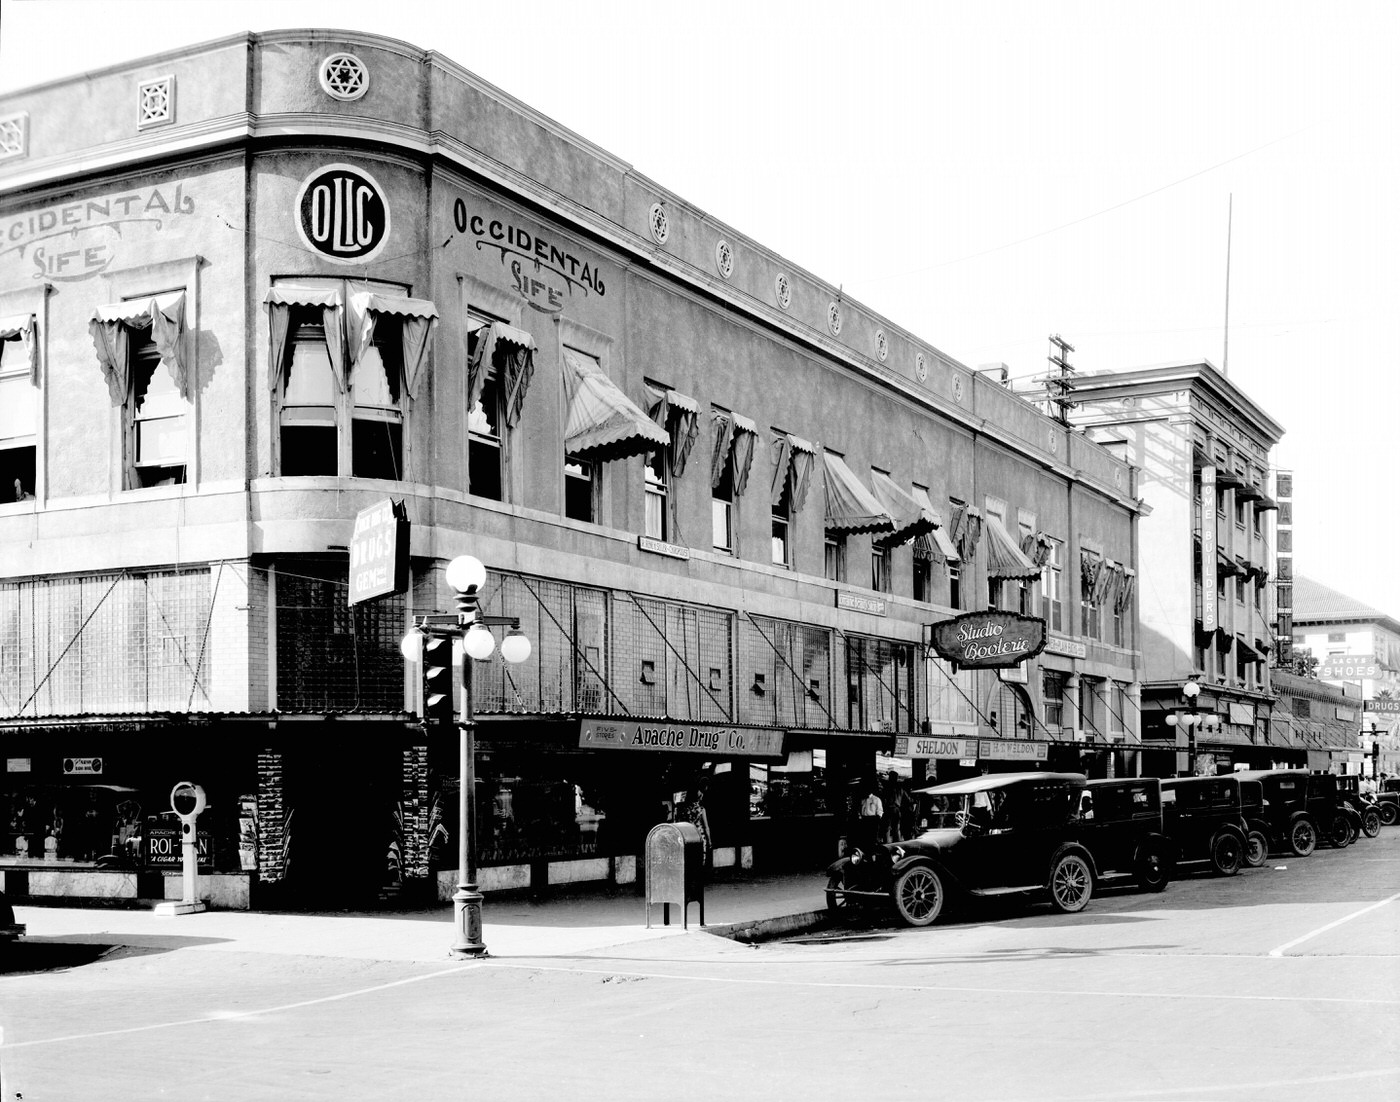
512	352
1124	599
736	436
109	328
1090	567
679	416
419	318
279	302
966	530
23	329
793	459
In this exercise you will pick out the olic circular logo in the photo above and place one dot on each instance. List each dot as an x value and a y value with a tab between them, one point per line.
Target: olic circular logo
342	214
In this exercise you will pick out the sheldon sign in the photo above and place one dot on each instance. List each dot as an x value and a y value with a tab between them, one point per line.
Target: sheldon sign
989	640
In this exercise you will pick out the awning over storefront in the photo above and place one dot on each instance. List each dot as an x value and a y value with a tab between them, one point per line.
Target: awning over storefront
279	301
1004	556
419	318
1248	492
1224	563
603	424
850	507
793	459
20	328
110	325
511	352
679	415
935	543
1265	502
911	518
1246	649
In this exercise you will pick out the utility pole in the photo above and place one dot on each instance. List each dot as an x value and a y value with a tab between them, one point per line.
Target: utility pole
1059	384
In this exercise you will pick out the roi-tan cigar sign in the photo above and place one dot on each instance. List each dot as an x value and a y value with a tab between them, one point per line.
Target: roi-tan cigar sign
989	640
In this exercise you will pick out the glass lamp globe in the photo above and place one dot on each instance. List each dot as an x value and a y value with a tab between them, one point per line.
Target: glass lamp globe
1191	690
1171	721
515	647
479	642
465	573
411	646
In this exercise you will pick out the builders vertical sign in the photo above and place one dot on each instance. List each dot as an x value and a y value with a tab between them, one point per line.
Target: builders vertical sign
379	552
1210	610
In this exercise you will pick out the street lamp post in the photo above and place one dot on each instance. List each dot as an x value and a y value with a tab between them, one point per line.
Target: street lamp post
1191	721
467	575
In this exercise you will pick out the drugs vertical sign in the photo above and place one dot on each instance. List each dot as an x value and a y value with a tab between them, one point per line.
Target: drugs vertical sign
379	552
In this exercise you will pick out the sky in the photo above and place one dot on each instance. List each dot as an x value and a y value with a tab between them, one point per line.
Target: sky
985	175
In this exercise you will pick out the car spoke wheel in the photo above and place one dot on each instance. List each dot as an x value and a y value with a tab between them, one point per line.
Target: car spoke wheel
1389	813
1339	833
1226	853
1371	822
1256	849
1302	837
1071	883
836	900
918	895
1153	871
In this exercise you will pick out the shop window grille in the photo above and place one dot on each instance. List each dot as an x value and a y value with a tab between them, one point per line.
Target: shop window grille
14	135
792	659
155	102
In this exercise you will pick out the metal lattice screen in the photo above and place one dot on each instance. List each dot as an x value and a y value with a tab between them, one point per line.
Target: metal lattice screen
105	643
682	659
568	630
880	684
331	657
794	661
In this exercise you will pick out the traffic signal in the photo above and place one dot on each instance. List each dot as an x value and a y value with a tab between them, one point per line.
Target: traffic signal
439	684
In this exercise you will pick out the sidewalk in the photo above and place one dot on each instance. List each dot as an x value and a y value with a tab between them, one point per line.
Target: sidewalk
567	924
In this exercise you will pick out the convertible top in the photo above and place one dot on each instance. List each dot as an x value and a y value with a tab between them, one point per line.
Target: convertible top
986	781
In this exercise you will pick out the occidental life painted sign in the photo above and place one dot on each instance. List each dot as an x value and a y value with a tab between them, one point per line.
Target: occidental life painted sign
744	742
79	240
987	640
537	264
342	213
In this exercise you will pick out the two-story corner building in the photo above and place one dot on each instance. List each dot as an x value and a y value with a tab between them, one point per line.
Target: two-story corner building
251	288
1207	560
1357	648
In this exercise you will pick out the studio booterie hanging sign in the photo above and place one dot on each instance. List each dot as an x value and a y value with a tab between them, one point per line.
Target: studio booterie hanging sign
989	640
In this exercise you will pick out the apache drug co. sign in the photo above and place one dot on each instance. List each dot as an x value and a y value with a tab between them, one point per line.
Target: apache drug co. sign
989	640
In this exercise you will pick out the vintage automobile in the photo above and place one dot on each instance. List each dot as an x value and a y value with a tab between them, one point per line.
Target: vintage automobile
1337	823
1120	821
1388	800
999	834
1365	807
1256	839
1291	827
1205	819
10	930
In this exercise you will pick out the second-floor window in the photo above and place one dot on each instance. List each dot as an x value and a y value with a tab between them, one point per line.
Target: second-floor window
658	489
1051	580
19	380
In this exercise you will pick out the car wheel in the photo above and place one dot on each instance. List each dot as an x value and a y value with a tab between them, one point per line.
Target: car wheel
1226	852
918	895
1339	832
1256	849
1153	871
1389	813
1302	836
1071	883
1371	822
836	901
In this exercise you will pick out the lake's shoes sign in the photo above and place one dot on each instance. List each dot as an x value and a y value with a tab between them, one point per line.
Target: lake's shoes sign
989	640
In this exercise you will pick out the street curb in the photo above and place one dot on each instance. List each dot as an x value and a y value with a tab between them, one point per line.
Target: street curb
765	929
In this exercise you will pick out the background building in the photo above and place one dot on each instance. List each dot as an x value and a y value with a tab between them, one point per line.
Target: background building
256	286
1331	627
1207	558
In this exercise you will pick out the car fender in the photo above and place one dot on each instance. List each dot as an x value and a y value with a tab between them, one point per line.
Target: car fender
1076	848
927	860
1155	843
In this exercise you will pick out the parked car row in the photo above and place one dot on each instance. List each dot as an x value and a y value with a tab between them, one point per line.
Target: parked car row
1061	835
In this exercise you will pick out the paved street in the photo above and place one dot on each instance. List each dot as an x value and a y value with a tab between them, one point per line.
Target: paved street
1281	983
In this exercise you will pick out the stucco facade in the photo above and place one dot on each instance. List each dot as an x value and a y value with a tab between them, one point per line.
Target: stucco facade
270	281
